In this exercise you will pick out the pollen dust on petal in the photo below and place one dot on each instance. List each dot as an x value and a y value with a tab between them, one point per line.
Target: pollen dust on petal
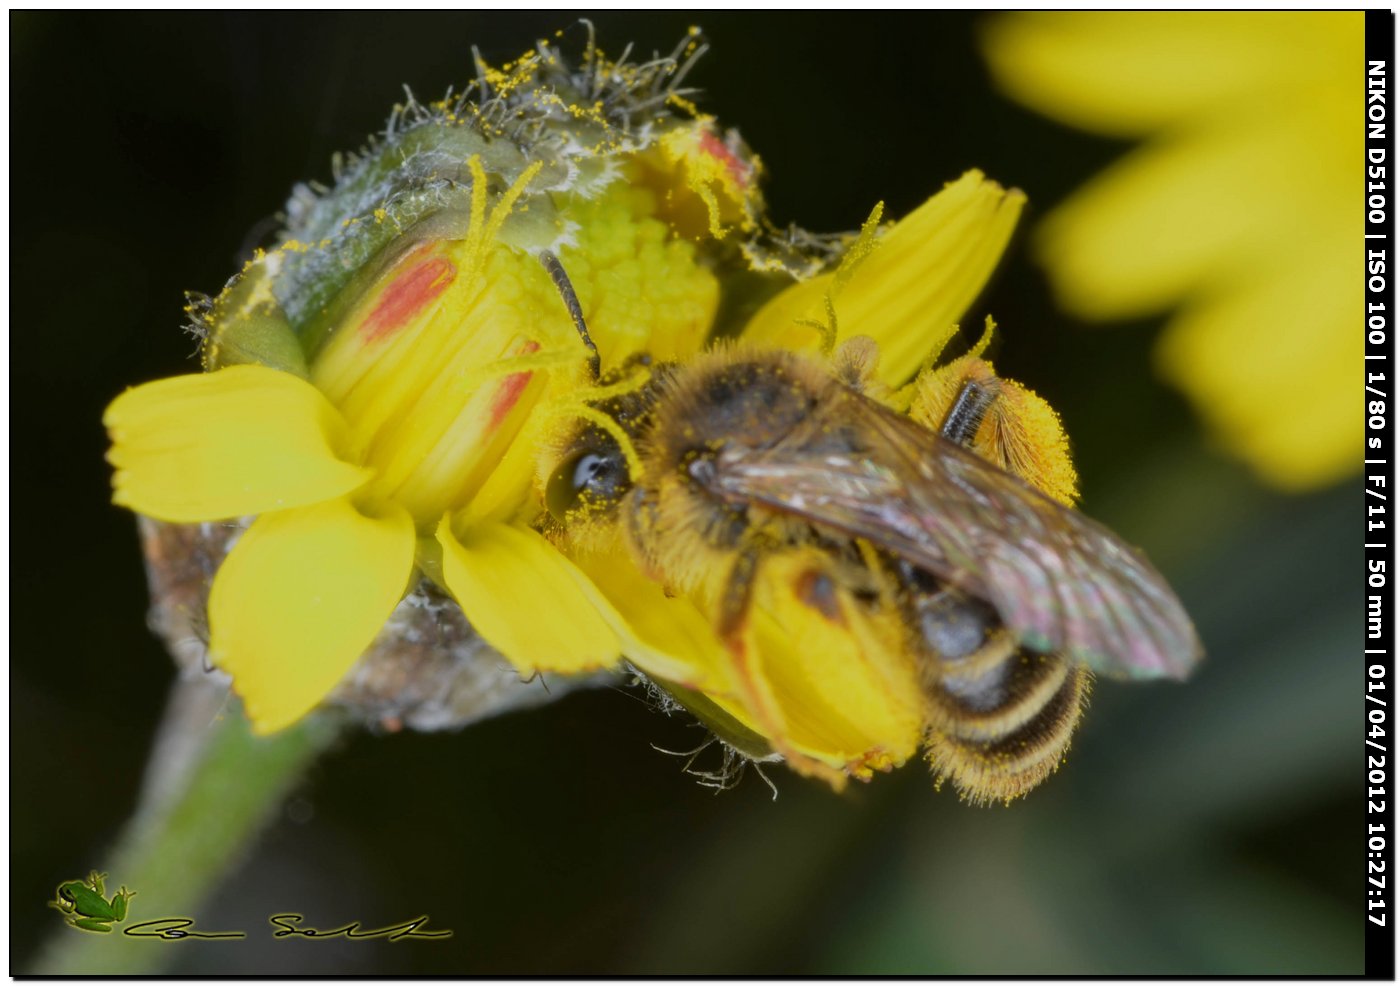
410	292
510	389
714	147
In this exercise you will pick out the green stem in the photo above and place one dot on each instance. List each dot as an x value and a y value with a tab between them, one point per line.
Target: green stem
210	791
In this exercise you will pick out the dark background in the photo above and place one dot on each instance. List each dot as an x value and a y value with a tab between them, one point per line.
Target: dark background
1208	828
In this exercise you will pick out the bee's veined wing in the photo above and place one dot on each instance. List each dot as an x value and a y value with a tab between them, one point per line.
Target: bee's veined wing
1058	580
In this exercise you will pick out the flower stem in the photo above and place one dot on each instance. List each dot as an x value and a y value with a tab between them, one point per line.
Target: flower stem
210	789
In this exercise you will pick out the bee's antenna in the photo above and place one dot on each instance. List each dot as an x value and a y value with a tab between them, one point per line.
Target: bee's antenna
566	291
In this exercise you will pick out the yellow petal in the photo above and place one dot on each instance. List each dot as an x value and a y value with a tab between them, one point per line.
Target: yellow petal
709	184
1290	336
300	597
508	492
426	370
667	637
1201	222
526	599
242	440
912	289
1129	73
844	696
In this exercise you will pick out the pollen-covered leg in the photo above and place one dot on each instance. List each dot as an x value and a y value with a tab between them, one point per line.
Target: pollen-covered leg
1010	426
737	596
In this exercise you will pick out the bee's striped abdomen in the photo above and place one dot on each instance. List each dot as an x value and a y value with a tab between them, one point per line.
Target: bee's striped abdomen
1000	717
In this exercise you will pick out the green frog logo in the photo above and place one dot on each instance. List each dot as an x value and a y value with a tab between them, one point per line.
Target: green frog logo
85	906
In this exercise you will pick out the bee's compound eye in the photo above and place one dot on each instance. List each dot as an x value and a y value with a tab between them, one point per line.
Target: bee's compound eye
594	477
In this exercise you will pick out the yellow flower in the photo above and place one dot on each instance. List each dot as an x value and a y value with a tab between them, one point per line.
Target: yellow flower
382	387
1240	210
409	407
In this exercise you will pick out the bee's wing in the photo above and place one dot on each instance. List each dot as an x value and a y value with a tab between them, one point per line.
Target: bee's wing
1058	580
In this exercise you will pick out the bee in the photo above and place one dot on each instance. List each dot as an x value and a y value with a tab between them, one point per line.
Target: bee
1008	600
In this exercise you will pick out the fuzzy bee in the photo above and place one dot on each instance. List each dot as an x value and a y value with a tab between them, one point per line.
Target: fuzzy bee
1005	599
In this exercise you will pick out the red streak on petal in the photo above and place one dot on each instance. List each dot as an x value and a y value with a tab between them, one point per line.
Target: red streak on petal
714	147
407	296
509	391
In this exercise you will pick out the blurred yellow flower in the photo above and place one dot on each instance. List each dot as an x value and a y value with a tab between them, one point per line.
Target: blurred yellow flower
1240	211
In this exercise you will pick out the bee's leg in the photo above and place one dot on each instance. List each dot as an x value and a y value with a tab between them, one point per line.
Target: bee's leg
968	412
732	625
738	595
732	622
